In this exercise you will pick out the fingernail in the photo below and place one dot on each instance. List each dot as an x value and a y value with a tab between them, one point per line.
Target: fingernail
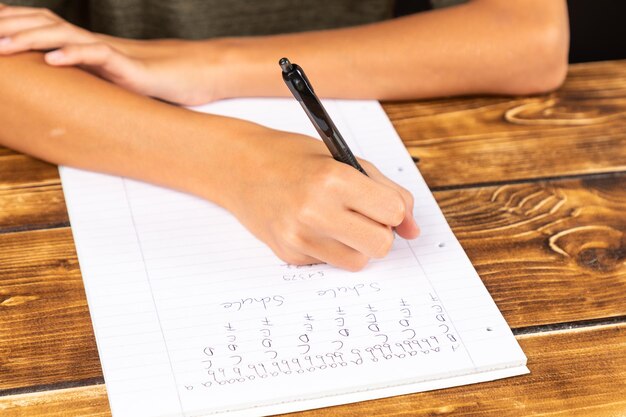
55	56
5	41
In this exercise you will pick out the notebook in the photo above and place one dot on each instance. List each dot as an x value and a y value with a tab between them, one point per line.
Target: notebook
194	316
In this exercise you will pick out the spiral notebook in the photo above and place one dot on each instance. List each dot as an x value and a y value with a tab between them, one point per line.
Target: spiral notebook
194	316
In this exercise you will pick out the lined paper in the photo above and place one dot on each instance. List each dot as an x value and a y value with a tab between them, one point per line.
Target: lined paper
194	316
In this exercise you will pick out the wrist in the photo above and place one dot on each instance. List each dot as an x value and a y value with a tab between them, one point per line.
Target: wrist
243	67
222	160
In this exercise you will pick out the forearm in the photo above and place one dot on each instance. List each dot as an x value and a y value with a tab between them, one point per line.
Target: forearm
275	183
67	116
487	46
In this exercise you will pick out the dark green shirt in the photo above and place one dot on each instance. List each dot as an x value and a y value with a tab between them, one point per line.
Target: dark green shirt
201	19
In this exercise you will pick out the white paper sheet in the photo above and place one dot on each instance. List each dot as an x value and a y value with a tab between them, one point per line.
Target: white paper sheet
194	316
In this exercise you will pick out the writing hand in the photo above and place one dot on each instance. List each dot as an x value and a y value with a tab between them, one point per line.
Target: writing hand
310	208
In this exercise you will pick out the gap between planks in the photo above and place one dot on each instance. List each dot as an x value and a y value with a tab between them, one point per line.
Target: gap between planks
541	329
598	175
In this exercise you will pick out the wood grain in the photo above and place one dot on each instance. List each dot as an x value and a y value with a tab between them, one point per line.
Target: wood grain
32	208
573	373
548	252
579	129
19	171
89	401
45	331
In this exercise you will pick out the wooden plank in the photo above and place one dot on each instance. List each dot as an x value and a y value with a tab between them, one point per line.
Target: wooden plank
45	329
577	130
19	171
32	208
573	373
548	252
83	401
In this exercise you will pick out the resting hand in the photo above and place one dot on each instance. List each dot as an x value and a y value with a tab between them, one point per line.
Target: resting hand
171	70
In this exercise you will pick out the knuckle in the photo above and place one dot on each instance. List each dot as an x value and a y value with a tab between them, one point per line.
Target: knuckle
307	214
103	49
408	197
327	181
385	242
398	210
23	39
291	235
332	179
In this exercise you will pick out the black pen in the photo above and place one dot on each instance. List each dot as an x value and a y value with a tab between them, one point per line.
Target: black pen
302	90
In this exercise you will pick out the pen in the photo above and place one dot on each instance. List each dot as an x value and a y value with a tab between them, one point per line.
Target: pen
302	90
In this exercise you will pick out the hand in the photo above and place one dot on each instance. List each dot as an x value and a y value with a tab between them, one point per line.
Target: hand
310	208
171	70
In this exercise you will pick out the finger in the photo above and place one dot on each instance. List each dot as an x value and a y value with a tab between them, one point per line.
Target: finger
6	10
364	235
356	231
12	25
99	58
293	257
327	250
336	254
47	37
408	228
372	199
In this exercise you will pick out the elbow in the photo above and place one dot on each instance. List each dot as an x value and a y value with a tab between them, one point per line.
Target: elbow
542	61
552	78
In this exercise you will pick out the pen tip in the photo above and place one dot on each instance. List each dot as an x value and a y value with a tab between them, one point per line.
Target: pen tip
285	65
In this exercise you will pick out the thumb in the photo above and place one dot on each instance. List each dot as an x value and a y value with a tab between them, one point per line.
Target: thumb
408	229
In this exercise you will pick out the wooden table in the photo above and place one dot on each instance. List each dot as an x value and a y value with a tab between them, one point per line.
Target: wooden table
533	187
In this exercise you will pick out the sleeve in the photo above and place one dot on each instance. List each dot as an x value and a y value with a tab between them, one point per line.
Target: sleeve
445	3
54	5
74	11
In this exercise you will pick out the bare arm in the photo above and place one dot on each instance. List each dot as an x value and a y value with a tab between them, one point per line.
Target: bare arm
484	46
66	116
276	183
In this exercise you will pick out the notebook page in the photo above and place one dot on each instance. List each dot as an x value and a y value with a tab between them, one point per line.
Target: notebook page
194	316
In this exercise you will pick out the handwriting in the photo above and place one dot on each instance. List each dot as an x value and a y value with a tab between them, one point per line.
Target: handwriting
265	302
354	290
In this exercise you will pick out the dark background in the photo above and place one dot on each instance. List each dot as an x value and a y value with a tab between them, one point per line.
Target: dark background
597	27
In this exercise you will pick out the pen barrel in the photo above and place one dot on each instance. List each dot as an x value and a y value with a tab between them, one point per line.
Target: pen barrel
329	133
347	157
302	90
